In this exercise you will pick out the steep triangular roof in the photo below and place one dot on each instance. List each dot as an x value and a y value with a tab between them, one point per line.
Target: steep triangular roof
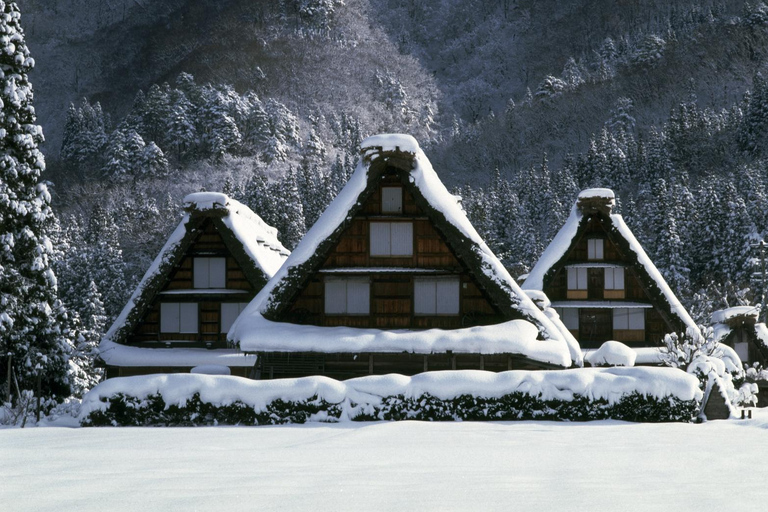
402	153
252	243
600	201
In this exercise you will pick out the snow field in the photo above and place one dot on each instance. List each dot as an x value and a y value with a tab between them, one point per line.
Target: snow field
609	465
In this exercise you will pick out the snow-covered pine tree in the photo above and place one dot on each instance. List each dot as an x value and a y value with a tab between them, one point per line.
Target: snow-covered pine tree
33	323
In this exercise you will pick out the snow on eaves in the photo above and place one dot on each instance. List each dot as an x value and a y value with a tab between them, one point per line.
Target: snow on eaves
426	180
723	315
116	354
554	252
512	337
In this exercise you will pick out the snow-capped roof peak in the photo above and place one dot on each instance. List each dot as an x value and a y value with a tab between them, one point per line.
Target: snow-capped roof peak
593	199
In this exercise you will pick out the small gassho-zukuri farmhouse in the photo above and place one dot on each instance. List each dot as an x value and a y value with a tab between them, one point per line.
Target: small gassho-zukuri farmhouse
393	278
602	283
177	320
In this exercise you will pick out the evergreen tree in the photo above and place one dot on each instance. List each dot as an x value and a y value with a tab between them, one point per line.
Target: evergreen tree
33	323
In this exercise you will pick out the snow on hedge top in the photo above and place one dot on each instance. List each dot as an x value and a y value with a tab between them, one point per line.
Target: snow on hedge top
559	246
610	384
259	240
424	177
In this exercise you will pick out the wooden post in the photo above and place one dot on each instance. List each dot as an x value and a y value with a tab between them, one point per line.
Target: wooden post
482	362
426	363
39	392
453	361
509	362
8	392
370	364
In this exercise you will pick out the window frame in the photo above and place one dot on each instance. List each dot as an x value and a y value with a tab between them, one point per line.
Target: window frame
346	280
240	307
595	251
192	311
398	202
201	272
621	315
578	273
434	282
613	271
389	253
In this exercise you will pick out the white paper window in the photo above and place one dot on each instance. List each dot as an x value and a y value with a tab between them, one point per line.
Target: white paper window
614	279
436	296
210	272
178	317
632	319
742	350
577	278
391	238
570	317
347	296
391	199
595	249
229	313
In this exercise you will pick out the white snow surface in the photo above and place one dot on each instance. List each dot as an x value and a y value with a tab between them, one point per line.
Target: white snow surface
723	315
596	383
117	354
260	243
514	336
597	192
612	353
384	466
562	241
245	329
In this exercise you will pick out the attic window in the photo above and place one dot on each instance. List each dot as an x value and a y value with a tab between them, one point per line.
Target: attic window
595	249
391	199
229	313
347	296
391	238
210	273
436	296
180	317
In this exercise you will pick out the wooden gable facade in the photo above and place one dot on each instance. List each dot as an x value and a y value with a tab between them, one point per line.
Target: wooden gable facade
599	287
181	313
397	263
397	271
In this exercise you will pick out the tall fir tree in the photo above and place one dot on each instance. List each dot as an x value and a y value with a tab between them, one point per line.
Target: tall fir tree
33	323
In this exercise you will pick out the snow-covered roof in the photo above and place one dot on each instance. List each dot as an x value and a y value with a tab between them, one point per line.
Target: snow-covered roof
445	212
116	354
618	230
250	240
722	316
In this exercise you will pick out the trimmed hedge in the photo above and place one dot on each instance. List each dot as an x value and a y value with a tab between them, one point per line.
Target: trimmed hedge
126	410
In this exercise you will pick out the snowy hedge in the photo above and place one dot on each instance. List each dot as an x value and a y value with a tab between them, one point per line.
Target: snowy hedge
632	394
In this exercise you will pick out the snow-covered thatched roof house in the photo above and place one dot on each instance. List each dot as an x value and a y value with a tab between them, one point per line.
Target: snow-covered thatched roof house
601	281
213	264
738	327
394	278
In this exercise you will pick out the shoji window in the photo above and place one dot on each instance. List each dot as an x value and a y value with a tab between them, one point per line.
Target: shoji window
595	249
229	313
391	199
614	278
210	273
436	296
631	319
391	238
178	317
570	317
347	296
577	278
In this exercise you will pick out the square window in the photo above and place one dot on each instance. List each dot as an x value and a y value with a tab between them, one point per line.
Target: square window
391	199
595	249
391	238
629	319
436	296
178	317
210	272
347	296
570	317
614	278
577	278
229	313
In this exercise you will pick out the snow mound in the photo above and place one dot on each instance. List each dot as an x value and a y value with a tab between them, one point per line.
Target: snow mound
391	142
612	353
206	201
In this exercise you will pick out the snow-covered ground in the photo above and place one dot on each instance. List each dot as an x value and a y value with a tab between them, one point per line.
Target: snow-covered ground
610	465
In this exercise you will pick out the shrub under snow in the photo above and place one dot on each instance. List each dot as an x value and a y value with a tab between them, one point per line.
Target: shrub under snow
612	353
633	394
